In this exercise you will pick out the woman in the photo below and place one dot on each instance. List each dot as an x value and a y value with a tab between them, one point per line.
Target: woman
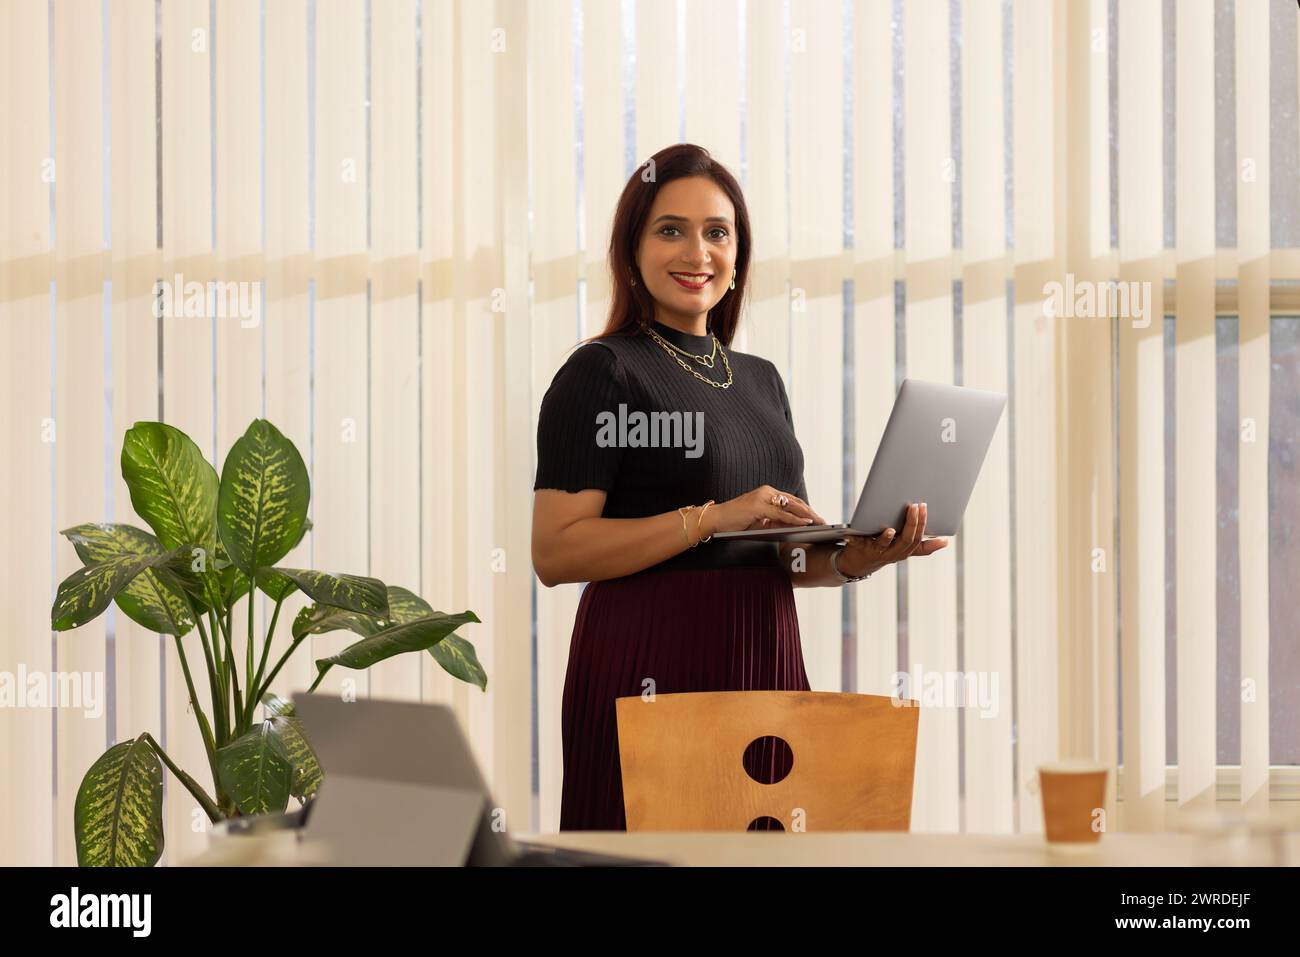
629	501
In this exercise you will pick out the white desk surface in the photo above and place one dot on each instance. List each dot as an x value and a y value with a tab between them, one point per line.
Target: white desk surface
875	848
837	849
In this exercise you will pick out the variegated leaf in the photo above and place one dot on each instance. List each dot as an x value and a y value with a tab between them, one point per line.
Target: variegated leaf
320	619
117	816
173	487
234	583
262	502
201	577
229	581
395	640
304	766
403	606
458	659
369	596
274	584
84	594
456	655
254	769
154	598
277	706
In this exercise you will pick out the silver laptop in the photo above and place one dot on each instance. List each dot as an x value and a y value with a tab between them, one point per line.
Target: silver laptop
402	788
932	450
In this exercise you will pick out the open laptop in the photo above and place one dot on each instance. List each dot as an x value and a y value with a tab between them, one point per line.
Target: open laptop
932	450
402	788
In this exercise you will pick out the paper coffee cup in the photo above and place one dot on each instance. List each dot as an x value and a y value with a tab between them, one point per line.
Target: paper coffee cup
1074	799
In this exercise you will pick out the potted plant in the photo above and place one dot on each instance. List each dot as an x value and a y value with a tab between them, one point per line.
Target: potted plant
216	540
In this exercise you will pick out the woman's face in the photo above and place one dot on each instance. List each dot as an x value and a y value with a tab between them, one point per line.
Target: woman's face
691	232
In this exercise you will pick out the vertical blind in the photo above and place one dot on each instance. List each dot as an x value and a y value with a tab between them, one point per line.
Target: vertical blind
420	192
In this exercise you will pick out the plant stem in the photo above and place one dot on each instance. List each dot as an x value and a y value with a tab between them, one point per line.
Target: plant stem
204	728
232	673
218	713
223	714
258	690
248	661
209	806
280	664
320	673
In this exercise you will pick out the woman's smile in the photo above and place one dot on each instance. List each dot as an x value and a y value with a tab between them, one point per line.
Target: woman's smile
694	281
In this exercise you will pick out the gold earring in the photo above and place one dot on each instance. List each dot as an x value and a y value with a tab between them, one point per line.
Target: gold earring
633	278
733	279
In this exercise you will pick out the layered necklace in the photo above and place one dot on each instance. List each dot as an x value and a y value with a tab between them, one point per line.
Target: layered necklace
676	353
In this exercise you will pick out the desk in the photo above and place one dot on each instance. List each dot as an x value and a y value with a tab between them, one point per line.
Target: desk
876	848
821	849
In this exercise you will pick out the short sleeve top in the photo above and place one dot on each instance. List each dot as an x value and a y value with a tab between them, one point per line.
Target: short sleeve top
622	415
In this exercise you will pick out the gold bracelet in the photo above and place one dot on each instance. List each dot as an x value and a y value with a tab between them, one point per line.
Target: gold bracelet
685	531
700	521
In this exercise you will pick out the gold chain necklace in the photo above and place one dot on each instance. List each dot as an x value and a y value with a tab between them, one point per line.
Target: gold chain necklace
706	361
668	348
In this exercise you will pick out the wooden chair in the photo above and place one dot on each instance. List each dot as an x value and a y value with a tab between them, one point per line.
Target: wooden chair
683	764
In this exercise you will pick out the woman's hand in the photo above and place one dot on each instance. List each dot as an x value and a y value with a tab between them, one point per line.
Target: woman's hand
864	555
764	507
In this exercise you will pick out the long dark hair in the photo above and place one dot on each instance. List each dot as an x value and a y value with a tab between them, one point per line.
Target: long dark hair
632	307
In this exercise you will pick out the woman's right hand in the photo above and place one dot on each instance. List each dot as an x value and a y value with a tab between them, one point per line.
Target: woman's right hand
758	509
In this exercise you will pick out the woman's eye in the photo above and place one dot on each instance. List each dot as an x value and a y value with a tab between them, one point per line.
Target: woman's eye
717	232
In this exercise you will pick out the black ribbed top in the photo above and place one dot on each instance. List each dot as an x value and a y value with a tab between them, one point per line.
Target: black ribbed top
744	435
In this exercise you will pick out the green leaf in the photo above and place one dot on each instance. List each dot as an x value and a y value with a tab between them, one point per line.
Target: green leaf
277	586
403	606
202	579
395	640
173	487
458	659
117	817
228	580
369	596
277	706
255	770
263	496
456	655
304	767
84	594
234	583
154	598
319	619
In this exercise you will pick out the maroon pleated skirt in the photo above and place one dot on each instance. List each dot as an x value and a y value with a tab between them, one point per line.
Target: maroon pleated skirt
717	629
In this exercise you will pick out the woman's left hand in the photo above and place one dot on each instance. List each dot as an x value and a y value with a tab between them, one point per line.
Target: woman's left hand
863	555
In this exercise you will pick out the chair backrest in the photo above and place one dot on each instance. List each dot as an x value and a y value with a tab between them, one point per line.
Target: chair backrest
684	761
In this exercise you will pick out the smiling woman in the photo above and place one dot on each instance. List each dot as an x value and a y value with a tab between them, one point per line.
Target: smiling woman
667	609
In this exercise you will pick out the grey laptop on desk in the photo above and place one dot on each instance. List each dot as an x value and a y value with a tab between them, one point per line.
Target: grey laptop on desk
402	788
932	450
